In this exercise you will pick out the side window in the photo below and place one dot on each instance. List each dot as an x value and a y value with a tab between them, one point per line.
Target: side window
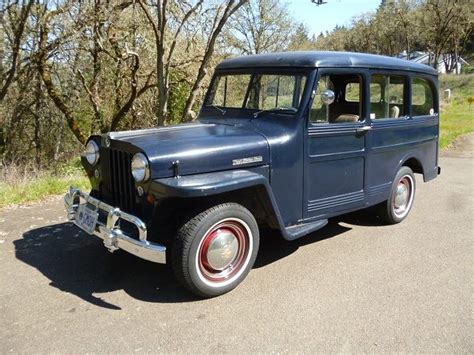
422	97
375	93
347	105
387	96
352	92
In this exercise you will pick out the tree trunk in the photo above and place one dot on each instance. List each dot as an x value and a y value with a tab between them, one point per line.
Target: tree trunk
37	129
161	72
53	92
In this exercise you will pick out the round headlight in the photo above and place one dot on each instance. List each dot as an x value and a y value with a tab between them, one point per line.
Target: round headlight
92	152
140	168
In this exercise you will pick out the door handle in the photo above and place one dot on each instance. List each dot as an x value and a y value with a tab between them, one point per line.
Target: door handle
363	129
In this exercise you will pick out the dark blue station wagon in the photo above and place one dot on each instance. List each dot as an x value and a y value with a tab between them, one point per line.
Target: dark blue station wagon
283	140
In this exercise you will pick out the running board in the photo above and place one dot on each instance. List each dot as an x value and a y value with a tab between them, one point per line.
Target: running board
300	230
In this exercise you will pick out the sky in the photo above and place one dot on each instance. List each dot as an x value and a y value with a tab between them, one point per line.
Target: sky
325	17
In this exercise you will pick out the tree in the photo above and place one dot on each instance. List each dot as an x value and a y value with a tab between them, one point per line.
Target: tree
440	19
158	16
300	39
12	33
223	13
168	21
261	26
59	54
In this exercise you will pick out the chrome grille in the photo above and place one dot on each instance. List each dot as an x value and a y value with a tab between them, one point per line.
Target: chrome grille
121	180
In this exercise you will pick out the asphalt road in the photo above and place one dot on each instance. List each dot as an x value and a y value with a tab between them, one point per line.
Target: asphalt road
354	286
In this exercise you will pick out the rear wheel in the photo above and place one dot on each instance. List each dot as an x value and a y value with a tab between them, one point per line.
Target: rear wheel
402	194
215	250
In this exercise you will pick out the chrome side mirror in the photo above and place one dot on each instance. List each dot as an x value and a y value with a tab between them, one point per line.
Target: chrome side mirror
328	97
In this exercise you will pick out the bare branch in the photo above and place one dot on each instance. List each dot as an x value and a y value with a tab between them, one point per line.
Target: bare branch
133	89
18	35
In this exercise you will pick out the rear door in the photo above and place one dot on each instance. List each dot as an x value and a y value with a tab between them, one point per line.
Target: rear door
399	133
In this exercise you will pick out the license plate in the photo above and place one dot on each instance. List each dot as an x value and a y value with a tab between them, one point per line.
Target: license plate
86	219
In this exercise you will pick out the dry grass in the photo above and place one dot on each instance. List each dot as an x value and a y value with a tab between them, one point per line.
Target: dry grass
20	184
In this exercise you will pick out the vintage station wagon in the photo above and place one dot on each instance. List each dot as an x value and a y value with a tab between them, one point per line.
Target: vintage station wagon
283	140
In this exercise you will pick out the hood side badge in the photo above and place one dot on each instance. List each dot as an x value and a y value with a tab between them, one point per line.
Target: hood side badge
175	167
248	160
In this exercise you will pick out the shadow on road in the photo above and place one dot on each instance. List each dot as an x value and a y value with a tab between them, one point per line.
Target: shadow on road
273	247
79	264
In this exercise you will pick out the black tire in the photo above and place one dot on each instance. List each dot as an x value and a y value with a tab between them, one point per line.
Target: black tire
391	211
193	258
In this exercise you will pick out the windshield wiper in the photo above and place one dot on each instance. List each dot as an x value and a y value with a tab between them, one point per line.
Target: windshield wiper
275	109
218	109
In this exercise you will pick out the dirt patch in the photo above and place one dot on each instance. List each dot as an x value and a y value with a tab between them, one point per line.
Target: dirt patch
463	147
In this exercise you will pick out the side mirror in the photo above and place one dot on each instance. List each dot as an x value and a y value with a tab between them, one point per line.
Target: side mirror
328	97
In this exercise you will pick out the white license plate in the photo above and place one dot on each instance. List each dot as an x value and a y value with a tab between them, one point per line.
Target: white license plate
86	219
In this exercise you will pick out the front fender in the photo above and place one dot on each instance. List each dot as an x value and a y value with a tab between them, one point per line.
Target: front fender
208	184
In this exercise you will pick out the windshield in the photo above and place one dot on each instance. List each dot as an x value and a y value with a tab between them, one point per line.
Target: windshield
258	92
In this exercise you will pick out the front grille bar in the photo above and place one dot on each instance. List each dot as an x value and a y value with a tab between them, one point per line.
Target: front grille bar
123	191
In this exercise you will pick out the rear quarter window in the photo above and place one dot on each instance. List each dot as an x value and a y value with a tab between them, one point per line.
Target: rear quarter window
422	97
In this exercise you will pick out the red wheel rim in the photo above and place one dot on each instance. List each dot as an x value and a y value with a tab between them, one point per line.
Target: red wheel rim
223	251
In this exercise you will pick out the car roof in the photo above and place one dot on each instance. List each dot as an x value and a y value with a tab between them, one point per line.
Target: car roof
315	59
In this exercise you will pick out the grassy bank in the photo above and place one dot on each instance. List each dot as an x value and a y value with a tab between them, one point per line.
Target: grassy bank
457	115
20	185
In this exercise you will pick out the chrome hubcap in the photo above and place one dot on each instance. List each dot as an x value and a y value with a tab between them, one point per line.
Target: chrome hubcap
222	249
403	196
223	252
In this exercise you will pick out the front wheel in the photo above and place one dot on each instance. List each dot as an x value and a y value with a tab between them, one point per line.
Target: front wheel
402	194
215	250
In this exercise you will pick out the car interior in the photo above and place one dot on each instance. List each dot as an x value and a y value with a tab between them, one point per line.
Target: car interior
347	102
386	98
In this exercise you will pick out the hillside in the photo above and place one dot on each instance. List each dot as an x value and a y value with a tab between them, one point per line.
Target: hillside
457	114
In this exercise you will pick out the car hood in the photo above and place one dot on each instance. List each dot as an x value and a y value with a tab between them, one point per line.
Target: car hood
199	148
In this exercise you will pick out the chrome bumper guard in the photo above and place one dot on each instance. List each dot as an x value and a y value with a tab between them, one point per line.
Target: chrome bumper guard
110	233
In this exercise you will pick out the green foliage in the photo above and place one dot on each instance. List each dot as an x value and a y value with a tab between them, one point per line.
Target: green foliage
70	168
179	91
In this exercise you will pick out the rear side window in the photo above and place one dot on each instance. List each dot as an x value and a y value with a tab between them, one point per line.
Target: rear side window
387	96
422	97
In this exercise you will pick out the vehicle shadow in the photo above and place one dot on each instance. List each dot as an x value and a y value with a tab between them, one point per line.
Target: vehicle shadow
273	247
79	264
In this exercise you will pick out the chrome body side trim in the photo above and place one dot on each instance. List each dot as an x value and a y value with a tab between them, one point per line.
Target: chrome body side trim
110	233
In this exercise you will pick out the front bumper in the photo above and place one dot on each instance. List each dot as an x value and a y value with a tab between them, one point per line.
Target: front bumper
111	233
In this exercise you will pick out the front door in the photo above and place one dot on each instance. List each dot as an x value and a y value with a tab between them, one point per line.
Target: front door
335	146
